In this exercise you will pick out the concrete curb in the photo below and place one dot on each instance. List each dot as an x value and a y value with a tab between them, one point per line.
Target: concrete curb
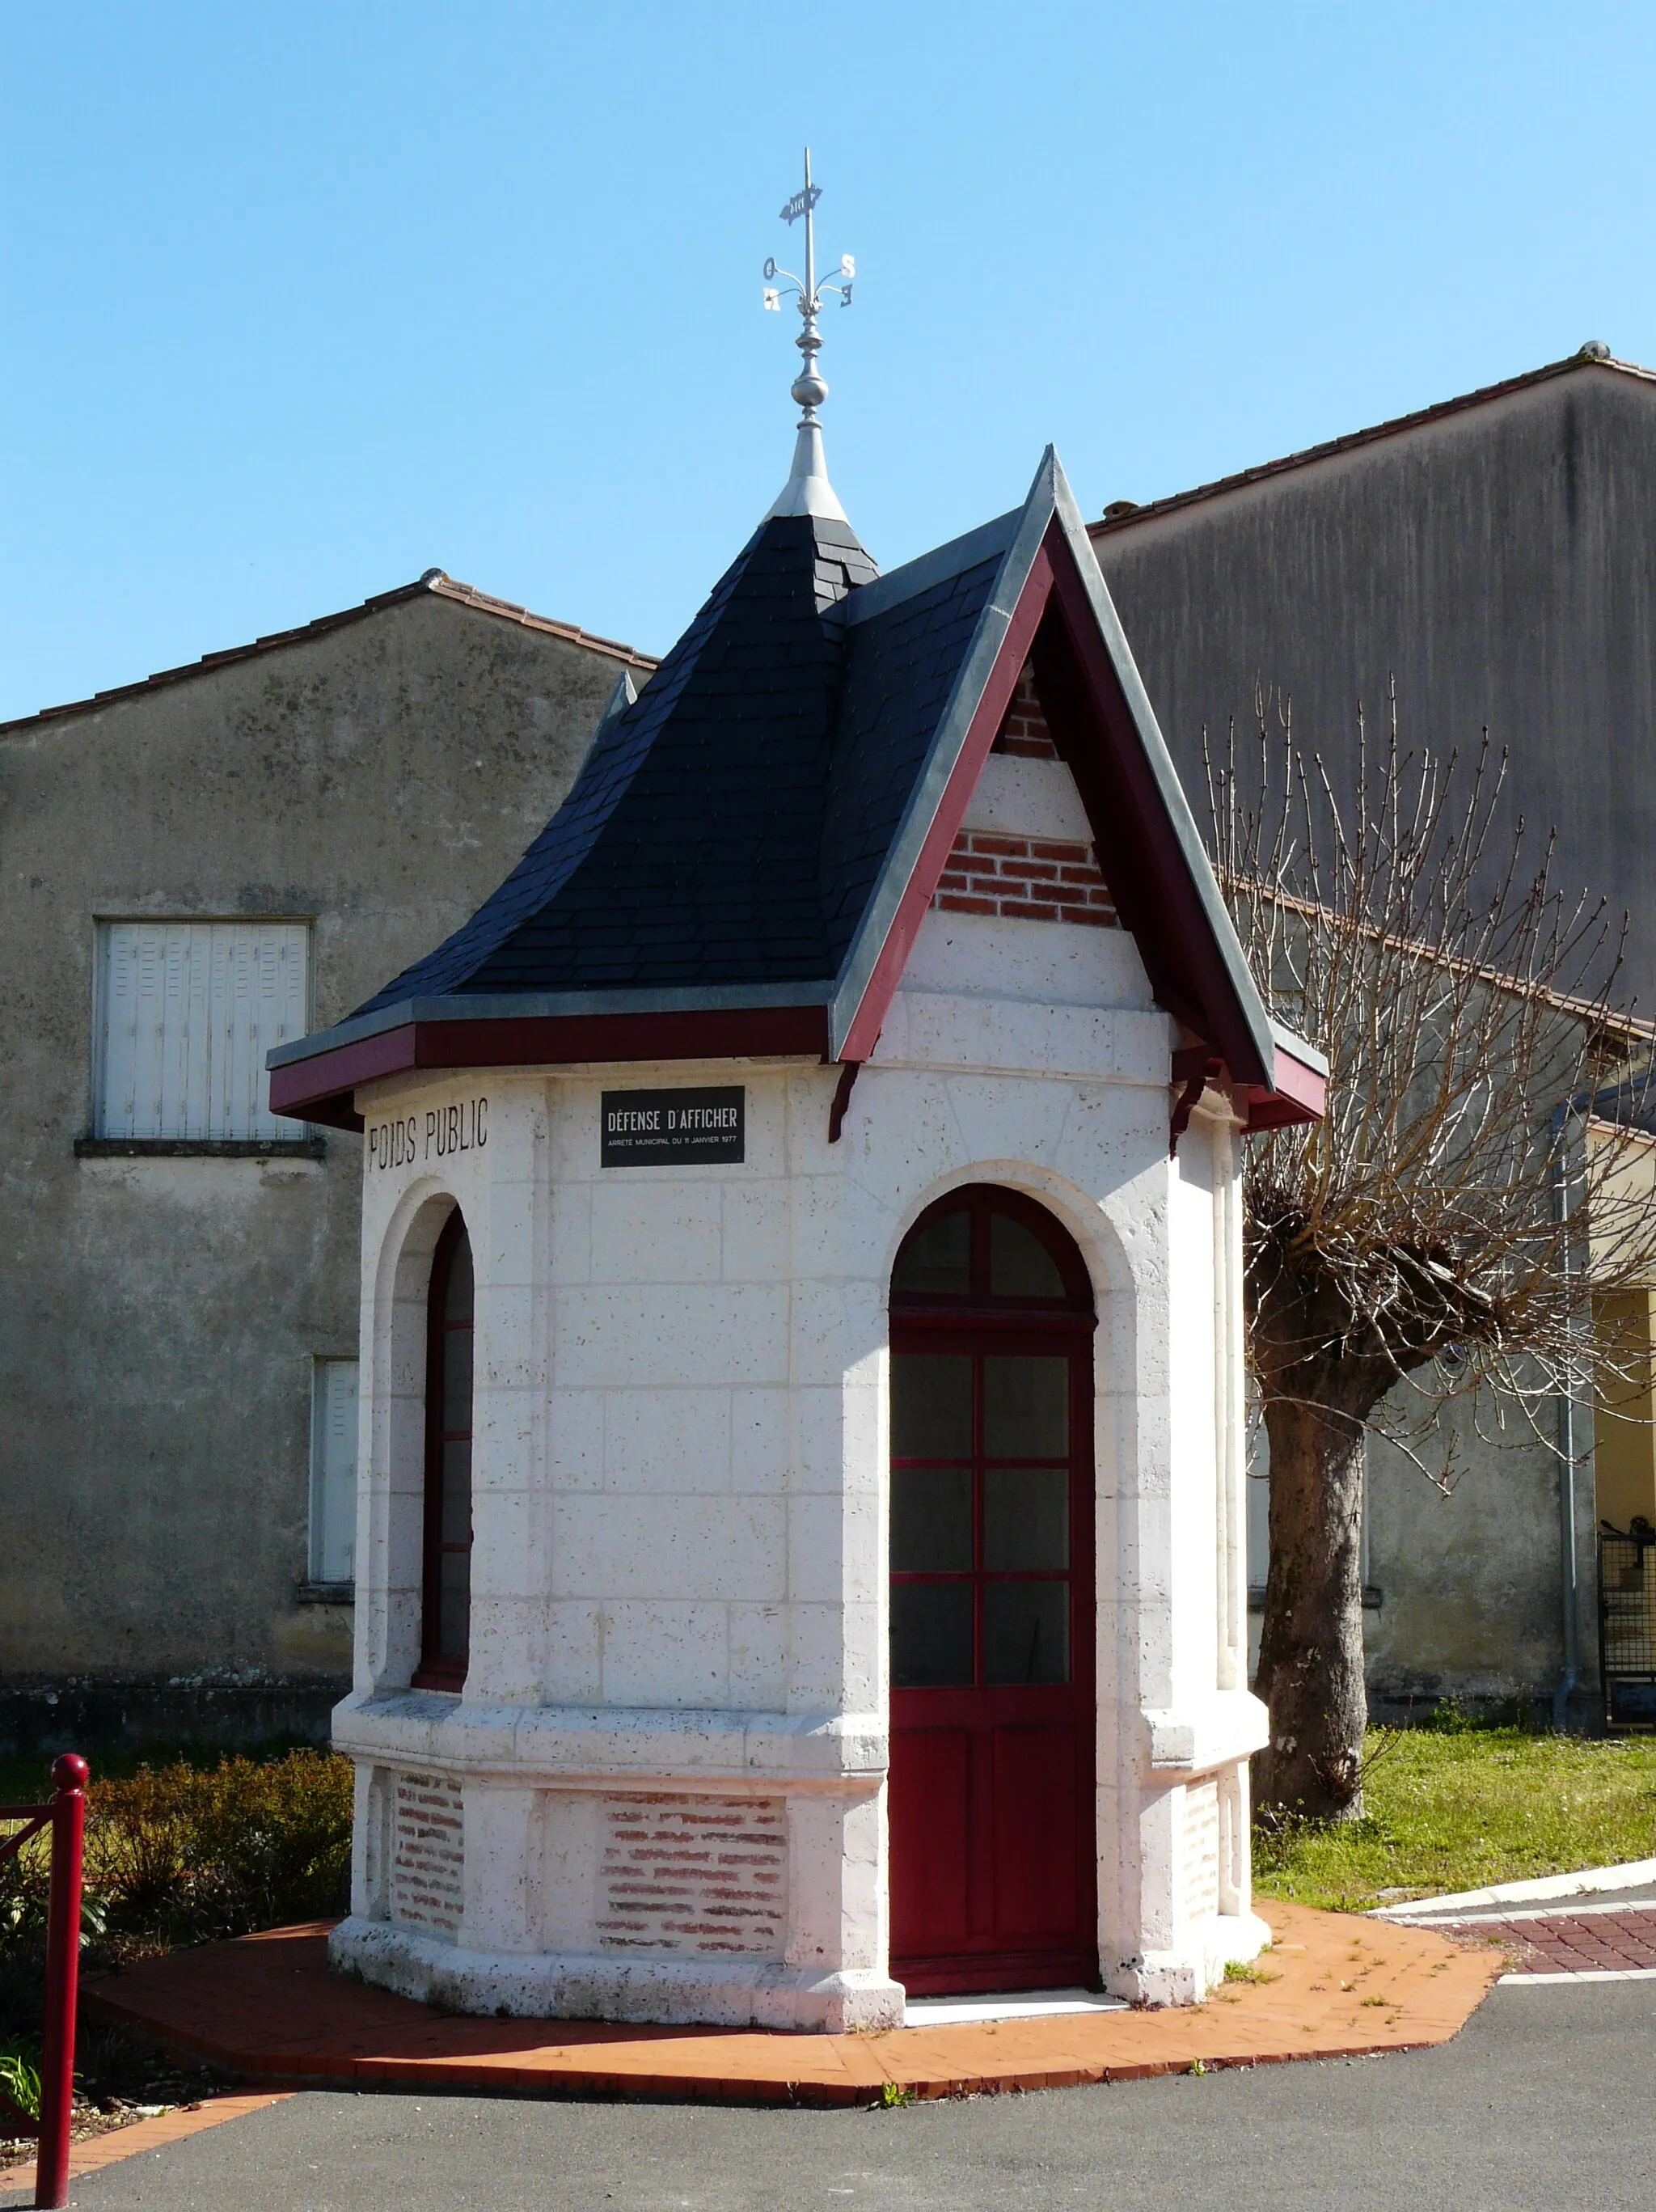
1633	1874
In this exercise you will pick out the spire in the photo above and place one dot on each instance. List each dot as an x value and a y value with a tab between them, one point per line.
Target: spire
807	490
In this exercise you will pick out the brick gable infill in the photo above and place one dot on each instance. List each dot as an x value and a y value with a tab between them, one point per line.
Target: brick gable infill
1024	879
1017	878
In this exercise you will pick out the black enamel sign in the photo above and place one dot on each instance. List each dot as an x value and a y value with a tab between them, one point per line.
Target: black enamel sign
666	1128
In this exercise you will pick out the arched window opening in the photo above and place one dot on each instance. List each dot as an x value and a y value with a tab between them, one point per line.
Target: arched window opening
445	1613
991	1599
987	1428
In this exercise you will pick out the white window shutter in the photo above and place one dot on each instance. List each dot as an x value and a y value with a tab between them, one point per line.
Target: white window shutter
190	1011
333	1471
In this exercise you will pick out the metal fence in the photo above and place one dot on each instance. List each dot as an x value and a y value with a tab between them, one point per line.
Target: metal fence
1627	1630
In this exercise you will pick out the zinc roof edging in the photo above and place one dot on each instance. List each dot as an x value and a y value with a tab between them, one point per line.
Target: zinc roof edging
1170	791
1300	1048
880	913
927	570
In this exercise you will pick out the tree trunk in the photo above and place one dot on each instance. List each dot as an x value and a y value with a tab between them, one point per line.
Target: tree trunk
1310	1652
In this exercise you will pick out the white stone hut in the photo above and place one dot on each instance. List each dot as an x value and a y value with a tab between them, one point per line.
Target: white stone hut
801	1543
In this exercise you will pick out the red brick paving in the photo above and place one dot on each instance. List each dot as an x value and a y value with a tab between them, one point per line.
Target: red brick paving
1578	1942
266	2009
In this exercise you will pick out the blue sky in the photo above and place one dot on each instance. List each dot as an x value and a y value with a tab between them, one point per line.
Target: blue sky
302	298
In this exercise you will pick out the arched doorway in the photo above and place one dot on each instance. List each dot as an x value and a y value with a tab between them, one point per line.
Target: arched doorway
993	1880
445	1606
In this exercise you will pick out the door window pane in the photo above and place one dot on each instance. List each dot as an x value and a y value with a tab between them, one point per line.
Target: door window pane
1026	1407
446	1621
457	1379
1026	1518
937	1260
931	1406
1025	1632
458	1294
931	1520
931	1635
457	1492
454	1602
1020	1265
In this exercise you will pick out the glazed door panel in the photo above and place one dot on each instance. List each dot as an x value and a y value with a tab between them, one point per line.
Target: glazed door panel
992	1853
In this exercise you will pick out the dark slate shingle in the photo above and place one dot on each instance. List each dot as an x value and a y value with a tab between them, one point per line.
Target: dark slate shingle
729	826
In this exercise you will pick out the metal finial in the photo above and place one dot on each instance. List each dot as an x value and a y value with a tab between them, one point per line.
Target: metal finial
808	490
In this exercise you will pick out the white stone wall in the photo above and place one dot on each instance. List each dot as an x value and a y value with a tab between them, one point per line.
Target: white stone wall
680	1476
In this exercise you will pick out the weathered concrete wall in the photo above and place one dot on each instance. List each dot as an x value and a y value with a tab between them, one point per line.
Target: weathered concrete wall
1470	1583
377	781
1501	565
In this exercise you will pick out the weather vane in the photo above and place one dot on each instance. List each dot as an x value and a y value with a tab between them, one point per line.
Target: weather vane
810	388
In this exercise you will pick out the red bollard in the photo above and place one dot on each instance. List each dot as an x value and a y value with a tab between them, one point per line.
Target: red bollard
68	1775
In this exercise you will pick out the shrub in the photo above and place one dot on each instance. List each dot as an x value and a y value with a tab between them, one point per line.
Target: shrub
181	1853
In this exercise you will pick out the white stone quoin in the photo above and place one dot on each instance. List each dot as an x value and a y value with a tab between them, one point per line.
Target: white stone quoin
679	1573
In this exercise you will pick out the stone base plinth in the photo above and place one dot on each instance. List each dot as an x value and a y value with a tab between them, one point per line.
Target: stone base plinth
1186	1976
599	1985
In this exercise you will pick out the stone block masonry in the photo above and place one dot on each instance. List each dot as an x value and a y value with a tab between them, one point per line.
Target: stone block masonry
695	1875
427	1853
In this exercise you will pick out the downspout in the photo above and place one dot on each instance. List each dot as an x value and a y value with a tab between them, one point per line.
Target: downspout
1568	1565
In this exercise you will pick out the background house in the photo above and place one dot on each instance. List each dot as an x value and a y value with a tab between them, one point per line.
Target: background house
1497	557
192	869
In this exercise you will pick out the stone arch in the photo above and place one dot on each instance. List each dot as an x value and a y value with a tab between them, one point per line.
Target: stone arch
396	1437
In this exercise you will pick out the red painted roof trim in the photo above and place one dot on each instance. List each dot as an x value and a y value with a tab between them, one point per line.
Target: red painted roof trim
917	892
321	1089
1299	1093
1161	908
1156	897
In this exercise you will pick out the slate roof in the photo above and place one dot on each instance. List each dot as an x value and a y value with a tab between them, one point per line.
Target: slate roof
687	851
751	845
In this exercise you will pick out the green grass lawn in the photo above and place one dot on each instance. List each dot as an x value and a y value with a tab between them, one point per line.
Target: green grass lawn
1456	1809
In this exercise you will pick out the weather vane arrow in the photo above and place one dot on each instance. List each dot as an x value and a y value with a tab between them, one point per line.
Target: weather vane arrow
810	388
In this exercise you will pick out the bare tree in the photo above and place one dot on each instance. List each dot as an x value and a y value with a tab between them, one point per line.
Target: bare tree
1473	1187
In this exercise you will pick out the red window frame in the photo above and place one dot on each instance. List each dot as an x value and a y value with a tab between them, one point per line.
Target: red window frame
439	1669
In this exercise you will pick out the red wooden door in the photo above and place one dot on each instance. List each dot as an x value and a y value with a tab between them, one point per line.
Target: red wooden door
993	1878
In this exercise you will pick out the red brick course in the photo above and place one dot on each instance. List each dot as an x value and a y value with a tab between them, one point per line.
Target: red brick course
702	1874
1024	732
1024	879
428	1853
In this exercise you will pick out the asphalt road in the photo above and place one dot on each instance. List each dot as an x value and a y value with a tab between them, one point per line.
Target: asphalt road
1545	2100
